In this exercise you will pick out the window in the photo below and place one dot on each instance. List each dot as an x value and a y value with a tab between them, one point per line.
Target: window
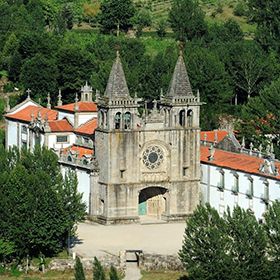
190	118
265	196
185	171
24	129
235	188
118	121
61	138
86	140
101	118
221	183
127	120
250	192
182	118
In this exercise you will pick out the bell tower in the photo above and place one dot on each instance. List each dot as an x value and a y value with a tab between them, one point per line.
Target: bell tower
149	165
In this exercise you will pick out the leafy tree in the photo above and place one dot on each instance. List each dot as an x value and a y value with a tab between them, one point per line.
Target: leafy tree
34	214
113	274
247	248
7	249
260	117
272	228
205	246
187	19
141	20
265	14
207	73
73	59
98	270
116	13
40	74
161	28
79	270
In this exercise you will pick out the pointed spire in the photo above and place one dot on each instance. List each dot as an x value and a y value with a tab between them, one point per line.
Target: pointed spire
49	106
117	86
39	116
76	106
8	107
59	101
180	83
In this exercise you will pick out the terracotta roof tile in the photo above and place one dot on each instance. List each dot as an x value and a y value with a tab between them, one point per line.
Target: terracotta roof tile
88	127
83	107
25	113
235	161
60	126
80	150
221	134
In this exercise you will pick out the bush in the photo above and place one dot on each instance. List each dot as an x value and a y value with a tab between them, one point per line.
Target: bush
240	9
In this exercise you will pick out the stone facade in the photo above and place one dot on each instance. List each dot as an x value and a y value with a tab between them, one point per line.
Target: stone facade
148	164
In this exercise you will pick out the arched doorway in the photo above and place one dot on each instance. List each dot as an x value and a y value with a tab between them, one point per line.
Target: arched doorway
152	202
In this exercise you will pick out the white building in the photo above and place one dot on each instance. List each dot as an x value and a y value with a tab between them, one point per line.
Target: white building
230	174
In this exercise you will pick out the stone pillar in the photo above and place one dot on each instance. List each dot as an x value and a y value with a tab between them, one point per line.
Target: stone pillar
94	192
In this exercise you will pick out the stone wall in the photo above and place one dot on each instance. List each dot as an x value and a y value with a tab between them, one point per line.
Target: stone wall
147	262
160	262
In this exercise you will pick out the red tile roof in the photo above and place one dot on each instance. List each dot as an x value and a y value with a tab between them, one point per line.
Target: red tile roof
60	126
235	161
221	134
25	113
88	127
80	150
83	107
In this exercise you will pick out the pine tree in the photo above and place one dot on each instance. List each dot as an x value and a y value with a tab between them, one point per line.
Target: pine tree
248	245
204	251
113	274
79	270
98	270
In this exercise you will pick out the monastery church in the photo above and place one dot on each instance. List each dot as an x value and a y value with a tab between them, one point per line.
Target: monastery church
158	164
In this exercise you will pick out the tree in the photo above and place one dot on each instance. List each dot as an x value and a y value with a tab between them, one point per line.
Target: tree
98	270
116	14
261	117
73	59
34	215
265	14
40	74
208	75
113	274
79	270
141	20
247	248
205	246
272	228
7	249
161	28
187	19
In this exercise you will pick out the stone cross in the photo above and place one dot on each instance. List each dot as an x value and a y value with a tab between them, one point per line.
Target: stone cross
28	93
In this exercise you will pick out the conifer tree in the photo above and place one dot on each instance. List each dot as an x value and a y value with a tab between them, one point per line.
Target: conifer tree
113	274
79	270
98	270
205	245
247	245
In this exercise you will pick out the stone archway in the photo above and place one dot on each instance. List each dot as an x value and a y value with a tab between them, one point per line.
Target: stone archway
152	202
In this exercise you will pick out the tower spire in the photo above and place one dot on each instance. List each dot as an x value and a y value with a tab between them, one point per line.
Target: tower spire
59	101
117	86
180	84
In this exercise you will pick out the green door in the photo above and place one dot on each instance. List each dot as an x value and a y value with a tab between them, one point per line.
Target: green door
142	208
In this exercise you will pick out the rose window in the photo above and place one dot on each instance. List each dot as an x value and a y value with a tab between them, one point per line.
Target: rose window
153	157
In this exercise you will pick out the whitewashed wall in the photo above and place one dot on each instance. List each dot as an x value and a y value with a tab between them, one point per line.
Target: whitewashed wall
83	117
220	200
12	133
53	144
62	115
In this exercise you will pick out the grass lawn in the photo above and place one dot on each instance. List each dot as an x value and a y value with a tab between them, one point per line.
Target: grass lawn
162	275
69	274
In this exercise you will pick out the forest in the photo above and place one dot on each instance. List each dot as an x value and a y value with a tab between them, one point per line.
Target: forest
231	51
